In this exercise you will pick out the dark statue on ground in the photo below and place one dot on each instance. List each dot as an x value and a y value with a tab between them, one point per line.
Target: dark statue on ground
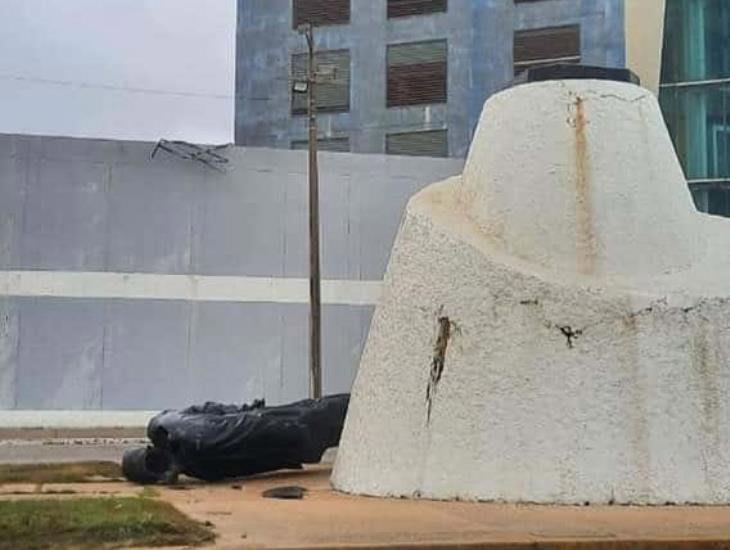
214	441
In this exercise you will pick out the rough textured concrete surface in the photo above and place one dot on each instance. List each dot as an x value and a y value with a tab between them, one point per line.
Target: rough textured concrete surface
554	325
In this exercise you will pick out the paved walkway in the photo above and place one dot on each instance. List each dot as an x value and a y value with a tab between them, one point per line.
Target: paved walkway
65	450
35	446
326	519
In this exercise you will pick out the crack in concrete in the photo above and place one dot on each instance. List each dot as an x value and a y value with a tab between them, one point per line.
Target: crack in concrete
438	361
570	334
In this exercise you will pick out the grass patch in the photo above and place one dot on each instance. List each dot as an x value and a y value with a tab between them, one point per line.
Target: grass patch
96	522
149	492
70	472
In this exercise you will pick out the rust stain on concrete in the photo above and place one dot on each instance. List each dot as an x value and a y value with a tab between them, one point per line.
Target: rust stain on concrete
585	237
637	398
707	370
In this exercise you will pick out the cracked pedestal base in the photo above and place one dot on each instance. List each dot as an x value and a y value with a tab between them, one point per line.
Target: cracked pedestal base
555	323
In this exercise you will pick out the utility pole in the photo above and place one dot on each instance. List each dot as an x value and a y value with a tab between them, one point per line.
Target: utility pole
315	305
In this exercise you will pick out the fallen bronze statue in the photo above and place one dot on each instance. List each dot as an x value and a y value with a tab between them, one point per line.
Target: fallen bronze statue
215	441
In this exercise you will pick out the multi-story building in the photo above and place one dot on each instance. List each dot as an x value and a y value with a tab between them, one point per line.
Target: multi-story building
695	96
411	76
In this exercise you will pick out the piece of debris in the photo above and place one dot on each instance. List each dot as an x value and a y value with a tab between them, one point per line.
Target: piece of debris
209	155
286	492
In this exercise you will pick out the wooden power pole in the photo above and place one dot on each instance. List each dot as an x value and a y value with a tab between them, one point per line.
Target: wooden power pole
315	304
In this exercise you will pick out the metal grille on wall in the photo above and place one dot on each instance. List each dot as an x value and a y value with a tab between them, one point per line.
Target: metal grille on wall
417	73
320	12
431	143
404	8
534	47
331	96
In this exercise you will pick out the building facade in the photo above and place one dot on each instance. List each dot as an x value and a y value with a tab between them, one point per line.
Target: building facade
410	76
695	96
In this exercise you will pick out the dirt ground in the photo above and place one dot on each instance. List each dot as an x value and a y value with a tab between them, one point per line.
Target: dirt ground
242	518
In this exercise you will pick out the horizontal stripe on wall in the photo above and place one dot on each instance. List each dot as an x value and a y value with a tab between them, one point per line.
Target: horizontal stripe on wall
16	419
198	288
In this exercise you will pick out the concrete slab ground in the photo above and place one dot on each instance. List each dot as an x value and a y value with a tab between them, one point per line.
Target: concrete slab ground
326	519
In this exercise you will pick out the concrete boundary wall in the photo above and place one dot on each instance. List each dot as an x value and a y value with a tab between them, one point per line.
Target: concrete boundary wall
136	284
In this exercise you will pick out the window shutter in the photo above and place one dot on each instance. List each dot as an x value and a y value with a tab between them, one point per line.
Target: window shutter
404	8
341	145
330	96
535	47
417	73
320	12
431	143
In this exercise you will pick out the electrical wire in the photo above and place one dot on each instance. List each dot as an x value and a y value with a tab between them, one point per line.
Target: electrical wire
111	87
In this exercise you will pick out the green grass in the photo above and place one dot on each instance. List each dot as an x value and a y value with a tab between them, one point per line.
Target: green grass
72	472
94	523
149	492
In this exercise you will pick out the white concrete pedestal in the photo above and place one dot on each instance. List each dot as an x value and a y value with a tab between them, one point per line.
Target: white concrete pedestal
555	324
